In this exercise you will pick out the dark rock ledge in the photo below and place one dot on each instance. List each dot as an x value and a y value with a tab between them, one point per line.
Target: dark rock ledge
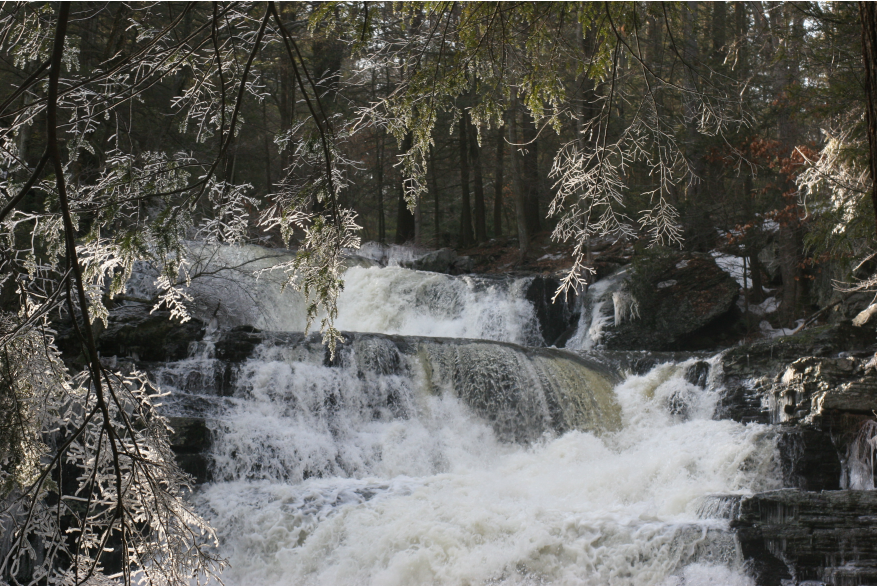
191	441
791	536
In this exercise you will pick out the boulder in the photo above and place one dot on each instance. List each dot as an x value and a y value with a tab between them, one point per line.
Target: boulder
190	441
440	261
674	302
134	331
790	536
557	318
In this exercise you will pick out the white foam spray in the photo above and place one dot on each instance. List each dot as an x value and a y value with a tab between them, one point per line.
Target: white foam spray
232	286
599	309
334	476
393	300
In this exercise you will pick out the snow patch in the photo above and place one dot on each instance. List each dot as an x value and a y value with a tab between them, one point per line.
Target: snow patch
731	265
769	331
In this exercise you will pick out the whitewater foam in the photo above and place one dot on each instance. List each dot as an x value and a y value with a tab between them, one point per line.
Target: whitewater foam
429	495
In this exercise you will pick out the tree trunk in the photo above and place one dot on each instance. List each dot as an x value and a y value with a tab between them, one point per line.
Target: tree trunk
466	237
530	173
433	185
520	197
719	24
382	226
286	109
756	295
404	218
868	13
786	73
497	182
418	223
480	220
266	144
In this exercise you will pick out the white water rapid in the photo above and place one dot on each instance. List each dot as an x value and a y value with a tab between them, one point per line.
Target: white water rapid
418	460
233	286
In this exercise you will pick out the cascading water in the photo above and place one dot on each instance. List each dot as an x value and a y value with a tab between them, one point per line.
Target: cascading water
417	460
599	310
234	286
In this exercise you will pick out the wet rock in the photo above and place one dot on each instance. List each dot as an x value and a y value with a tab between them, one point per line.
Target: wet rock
809	459
237	344
462	265
754	391
794	535
190	435
676	303
190	441
134	331
440	261
698	374
816	389
556	318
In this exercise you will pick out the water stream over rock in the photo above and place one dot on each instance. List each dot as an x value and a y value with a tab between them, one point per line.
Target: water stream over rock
448	443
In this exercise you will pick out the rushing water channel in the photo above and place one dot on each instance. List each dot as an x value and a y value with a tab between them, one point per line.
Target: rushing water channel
416	460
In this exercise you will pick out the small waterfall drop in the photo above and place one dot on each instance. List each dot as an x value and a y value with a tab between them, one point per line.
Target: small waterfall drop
394	300
599	309
234	286
414	460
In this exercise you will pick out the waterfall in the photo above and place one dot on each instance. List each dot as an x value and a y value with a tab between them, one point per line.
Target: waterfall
437	447
601	307
414	460
234	286
394	300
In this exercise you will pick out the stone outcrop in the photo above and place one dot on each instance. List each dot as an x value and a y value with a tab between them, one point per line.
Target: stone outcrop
754	372
676	303
817	389
134	331
191	441
818	386
441	261
791	536
809	459
557	319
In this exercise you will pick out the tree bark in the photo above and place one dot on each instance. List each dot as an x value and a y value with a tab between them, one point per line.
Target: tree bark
466	237
497	182
433	185
520	197
868	14
475	154
405	229
382	226
530	173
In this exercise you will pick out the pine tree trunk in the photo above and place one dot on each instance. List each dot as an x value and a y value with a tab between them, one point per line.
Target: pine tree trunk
466	237
433	185
530	174
497	182
868	13
520	197
382	226
480	220
404	218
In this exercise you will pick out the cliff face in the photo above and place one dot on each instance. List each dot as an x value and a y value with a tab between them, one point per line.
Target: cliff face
820	388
